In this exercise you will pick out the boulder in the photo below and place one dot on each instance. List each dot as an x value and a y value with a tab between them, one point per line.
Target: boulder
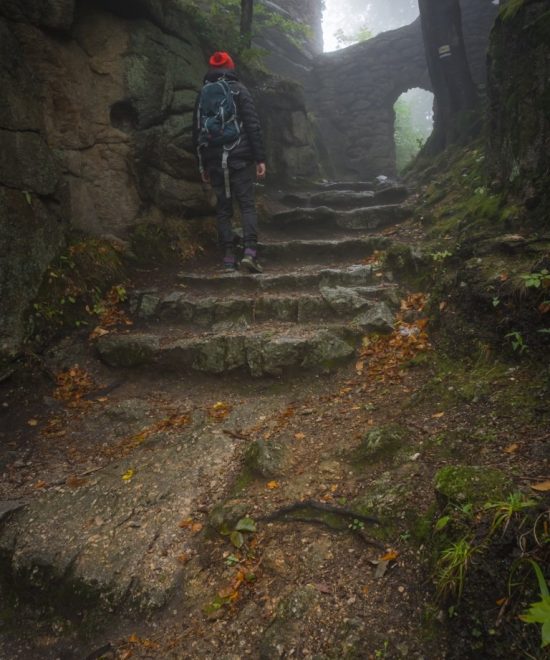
379	318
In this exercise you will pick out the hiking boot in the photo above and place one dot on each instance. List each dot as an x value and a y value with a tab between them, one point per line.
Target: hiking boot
229	262
249	262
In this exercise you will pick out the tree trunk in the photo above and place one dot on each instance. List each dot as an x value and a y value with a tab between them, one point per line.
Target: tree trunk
455	93
247	13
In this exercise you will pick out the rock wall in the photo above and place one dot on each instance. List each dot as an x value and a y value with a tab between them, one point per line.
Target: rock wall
353	90
519	101
96	130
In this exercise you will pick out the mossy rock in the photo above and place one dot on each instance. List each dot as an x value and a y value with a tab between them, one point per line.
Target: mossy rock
381	442
224	516
265	459
471	484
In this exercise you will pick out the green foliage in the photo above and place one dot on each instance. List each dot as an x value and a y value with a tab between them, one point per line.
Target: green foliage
362	33
219	22
516	503
536	280
510	9
539	612
408	138
517	341
452	566
75	285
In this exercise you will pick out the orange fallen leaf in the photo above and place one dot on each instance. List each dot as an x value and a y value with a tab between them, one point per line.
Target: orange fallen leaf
183	558
543	487
76	482
365	591
133	639
40	484
438	415
299	436
272	485
196	527
501	601
503	277
186	522
511	449
391	555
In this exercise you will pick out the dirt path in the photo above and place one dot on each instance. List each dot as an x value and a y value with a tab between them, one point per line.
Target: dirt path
211	478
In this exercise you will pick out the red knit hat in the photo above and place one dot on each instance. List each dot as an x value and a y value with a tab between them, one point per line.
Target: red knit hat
221	60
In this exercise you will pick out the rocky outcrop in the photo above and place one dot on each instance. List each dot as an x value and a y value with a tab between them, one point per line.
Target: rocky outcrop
96	130
519	97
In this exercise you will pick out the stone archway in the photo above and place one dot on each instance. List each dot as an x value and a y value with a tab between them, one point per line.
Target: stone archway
352	91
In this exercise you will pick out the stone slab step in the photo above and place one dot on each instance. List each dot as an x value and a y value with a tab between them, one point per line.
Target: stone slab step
346	185
345	199
112	542
329	304
302	279
368	218
271	351
319	250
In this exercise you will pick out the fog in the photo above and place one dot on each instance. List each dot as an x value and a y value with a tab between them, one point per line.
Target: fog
353	19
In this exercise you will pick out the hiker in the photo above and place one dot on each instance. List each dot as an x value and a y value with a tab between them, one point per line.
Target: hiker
228	138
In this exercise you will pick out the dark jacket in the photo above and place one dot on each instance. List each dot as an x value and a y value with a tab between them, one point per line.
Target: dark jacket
251	146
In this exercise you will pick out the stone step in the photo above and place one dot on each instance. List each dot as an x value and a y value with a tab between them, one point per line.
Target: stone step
367	218
321	250
301	279
219	313
357	186
341	199
268	350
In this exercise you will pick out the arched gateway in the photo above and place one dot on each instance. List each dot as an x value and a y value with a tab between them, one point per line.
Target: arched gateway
352	92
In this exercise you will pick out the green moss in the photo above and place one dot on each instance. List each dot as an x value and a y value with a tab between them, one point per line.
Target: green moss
379	443
173	241
75	284
471	484
510	9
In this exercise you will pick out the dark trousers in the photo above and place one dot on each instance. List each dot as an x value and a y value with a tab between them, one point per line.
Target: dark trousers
242	191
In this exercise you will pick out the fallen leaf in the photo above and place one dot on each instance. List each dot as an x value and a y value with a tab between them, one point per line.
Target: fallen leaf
391	555
186	522
543	487
272	485
501	601
133	639
365	591
40	484
75	482
299	436
503	277
127	476
511	449
183	558
442	306
360	366
438	415
323	588
32	422
196	527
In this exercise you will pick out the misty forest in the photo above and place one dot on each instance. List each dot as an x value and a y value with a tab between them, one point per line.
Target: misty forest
274	329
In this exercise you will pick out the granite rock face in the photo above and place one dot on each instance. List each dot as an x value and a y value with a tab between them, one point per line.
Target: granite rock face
96	131
519	98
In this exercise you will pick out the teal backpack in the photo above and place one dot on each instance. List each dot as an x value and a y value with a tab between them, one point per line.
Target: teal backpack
217	116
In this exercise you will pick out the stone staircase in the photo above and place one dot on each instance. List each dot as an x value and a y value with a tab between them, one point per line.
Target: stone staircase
317	298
